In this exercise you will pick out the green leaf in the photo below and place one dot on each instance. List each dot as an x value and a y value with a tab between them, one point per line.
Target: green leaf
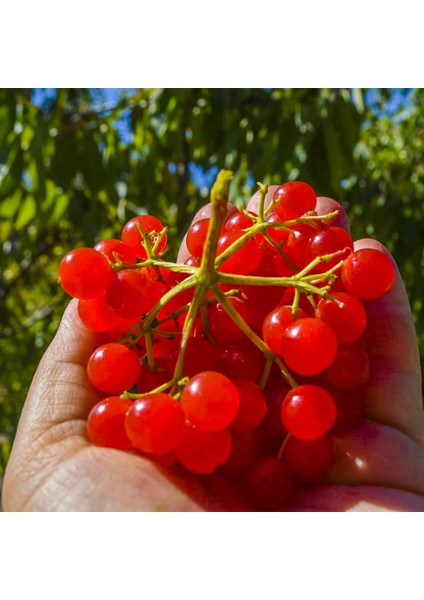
27	212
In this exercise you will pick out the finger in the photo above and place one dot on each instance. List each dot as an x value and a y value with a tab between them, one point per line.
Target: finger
326	206
354	498
393	394
61	390
376	454
203	213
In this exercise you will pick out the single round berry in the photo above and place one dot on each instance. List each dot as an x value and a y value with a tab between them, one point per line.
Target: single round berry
221	325
308	346
350	369
293	199
328	241
115	251
253	407
84	273
202	451
106	423
150	225
196	237
308	412
210	401
155	423
368	273
345	315
238	221
113	368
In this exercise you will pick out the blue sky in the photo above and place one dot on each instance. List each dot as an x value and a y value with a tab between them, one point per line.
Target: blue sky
400	97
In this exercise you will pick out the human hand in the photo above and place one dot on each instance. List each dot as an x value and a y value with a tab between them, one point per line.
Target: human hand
378	465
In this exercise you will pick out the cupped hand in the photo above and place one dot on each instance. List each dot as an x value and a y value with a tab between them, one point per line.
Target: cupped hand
379	465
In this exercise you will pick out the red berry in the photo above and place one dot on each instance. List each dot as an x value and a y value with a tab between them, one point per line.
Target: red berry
238	221
196	237
308	412
97	315
328	241
368	273
114	249
275	324
308	346
113	368
84	273
242	360
155	423
348	321
221	325
293	199
203	451
350	369
253	407
210	401
244	260
131	294
132	237
106	423
244	447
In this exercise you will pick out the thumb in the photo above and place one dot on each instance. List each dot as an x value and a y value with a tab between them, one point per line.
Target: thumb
60	390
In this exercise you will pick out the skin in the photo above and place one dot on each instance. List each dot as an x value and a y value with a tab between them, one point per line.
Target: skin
379	466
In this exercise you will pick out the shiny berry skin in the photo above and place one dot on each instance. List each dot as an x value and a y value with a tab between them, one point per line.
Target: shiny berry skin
242	360
96	314
328	241
368	273
309	459
221	325
210	401
308	346
253	407
348	321
238	221
131	235
196	237
84	273
131	294
113	368
308	412
244	260
202	451
275	323
293	199
114	249
268	483
350	369
296	245
155	423
106	423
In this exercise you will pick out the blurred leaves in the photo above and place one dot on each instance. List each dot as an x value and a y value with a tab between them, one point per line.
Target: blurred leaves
76	166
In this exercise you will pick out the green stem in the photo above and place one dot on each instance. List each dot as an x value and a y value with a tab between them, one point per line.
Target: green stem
255	339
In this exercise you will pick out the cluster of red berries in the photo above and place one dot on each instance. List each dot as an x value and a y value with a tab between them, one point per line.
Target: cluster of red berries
243	360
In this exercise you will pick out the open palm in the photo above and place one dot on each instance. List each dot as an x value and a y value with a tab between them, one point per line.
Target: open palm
379	465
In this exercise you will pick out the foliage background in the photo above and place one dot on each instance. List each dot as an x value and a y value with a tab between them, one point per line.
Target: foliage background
76	164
